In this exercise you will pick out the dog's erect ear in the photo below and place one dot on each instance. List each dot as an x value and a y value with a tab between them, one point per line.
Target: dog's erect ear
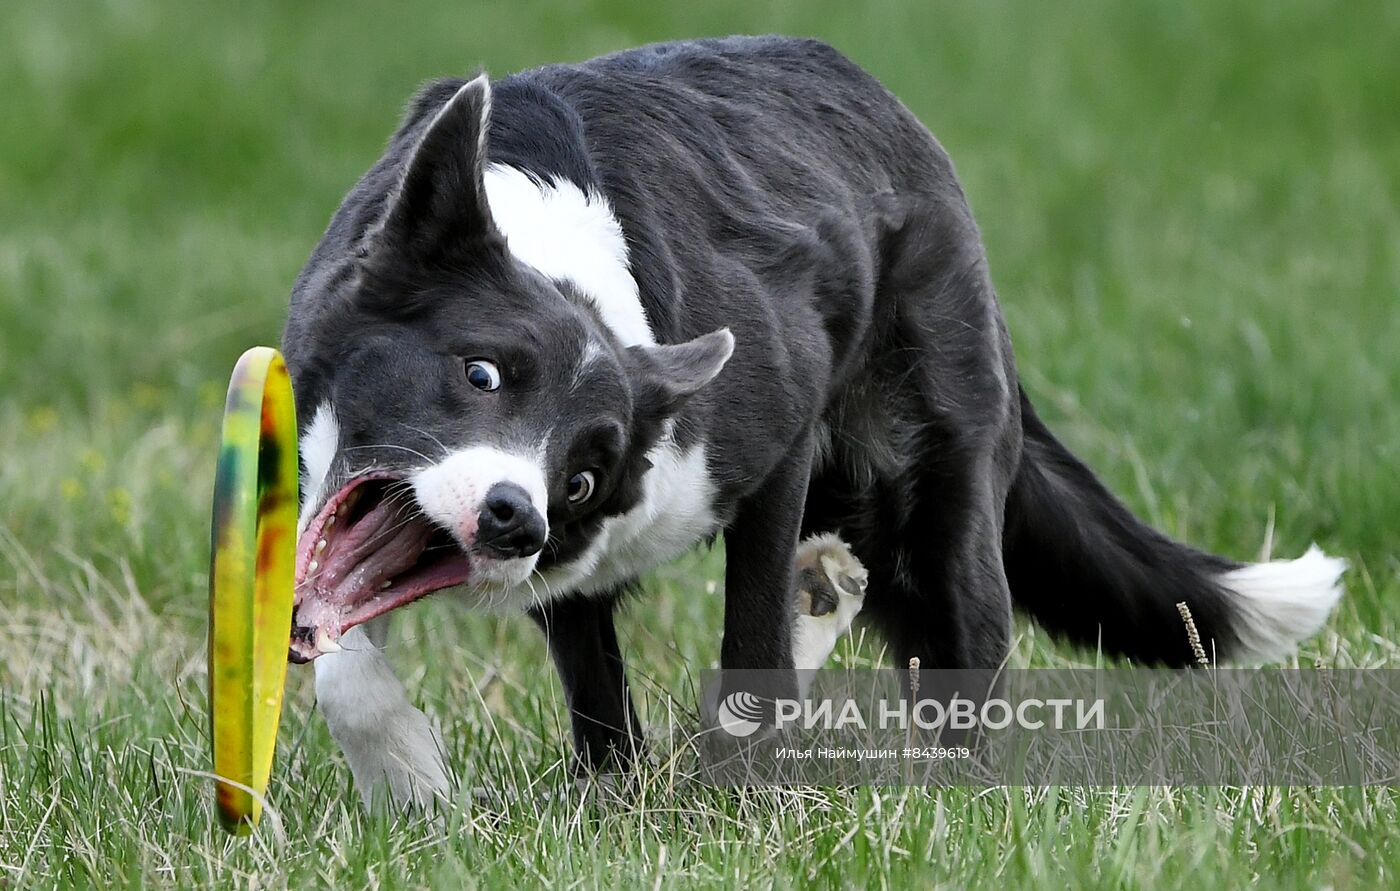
671	373
440	203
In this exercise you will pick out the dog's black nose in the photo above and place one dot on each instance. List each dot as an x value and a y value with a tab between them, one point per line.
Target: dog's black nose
509	525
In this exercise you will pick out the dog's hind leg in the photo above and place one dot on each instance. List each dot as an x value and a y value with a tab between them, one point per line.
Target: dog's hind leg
941	593
941	445
394	751
583	644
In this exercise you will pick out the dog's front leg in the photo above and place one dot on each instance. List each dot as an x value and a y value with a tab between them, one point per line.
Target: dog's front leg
760	545
583	643
394	751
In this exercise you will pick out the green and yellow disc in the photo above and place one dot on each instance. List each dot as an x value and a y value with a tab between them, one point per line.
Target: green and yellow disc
251	579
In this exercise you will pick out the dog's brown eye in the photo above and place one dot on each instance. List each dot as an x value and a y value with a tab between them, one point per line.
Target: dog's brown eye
483	375
581	487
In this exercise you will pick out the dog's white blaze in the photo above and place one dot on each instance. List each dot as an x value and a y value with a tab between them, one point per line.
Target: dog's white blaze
565	234
1281	603
318	446
451	491
592	352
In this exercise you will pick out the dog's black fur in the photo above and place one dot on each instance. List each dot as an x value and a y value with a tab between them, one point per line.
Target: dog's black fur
772	187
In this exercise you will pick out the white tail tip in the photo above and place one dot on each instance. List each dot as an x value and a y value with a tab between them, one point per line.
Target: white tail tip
1282	603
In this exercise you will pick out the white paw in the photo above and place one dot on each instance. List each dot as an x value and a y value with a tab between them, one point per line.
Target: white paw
830	591
394	751
398	763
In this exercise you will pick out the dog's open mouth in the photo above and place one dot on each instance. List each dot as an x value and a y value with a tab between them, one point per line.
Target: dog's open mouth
368	551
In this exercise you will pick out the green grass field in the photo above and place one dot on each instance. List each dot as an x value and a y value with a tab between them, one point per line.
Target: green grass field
1193	217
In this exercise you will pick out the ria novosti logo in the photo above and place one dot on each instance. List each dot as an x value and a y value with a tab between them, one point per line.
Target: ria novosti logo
741	714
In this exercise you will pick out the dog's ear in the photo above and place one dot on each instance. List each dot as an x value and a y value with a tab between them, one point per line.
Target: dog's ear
439	206
671	373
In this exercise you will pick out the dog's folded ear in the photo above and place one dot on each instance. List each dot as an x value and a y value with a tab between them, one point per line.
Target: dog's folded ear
439	207
671	373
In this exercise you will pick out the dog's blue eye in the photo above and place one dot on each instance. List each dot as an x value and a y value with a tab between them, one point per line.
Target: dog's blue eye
483	375
581	487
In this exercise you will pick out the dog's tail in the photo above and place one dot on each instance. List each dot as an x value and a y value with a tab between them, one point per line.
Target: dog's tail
1086	568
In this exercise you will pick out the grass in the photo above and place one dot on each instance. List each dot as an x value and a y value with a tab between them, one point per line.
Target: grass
1191	211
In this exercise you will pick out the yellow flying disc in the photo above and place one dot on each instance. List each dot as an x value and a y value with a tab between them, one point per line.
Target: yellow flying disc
251	581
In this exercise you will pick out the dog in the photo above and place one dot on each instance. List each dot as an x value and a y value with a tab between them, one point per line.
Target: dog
576	321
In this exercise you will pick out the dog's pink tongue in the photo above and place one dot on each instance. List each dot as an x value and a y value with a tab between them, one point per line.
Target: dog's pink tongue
397	552
346	549
348	567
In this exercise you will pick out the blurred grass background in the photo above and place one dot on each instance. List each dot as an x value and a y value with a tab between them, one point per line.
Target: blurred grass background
1193	217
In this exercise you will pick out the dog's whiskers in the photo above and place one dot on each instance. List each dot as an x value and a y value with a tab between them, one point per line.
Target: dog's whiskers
445	450
549	593
388	445
534	595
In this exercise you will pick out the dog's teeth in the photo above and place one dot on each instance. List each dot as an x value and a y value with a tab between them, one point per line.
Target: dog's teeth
320	546
324	644
313	567
386	584
330	521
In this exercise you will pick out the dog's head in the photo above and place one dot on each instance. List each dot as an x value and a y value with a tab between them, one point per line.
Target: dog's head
465	420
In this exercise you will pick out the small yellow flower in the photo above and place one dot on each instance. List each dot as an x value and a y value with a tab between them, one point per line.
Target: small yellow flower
71	489
146	396
119	500
42	420
93	461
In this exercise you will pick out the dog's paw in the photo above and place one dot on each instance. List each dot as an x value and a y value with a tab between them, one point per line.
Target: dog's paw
393	749
829	580
830	592
399	765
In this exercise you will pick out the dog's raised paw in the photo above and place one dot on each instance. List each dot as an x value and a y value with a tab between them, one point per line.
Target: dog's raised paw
829	592
829	579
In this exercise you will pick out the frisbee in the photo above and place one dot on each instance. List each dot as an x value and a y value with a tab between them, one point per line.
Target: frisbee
252	559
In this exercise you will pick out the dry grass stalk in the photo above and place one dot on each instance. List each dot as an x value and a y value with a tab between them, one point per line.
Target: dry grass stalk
1193	635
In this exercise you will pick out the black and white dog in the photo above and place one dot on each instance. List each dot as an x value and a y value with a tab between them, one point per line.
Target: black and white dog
577	321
